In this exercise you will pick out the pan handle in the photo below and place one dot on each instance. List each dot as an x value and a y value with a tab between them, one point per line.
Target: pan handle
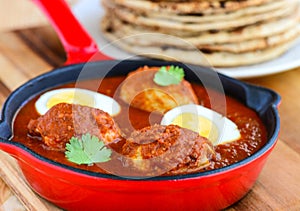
78	44
5	134
5	130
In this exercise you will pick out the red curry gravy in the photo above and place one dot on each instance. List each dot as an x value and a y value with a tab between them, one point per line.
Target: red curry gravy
251	128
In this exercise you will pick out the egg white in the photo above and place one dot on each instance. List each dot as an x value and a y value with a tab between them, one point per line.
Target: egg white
100	101
227	130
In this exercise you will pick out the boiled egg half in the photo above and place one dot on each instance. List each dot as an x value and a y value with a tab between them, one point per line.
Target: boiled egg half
78	96
208	123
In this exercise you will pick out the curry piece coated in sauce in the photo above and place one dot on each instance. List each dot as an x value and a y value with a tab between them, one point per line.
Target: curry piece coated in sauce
63	121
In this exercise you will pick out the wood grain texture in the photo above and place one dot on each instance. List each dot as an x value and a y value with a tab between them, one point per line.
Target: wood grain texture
14	179
27	53
27	15
21	60
16	14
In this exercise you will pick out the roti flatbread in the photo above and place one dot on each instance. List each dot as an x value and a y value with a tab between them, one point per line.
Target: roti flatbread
215	59
256	31
129	17
189	7
162	40
203	32
193	18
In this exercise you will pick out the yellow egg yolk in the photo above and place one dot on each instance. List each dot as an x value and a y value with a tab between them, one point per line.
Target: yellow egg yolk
199	124
71	96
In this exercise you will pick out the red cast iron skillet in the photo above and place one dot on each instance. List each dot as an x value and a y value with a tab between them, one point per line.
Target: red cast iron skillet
75	189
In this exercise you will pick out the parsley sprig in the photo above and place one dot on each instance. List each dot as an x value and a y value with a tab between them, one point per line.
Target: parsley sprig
166	77
88	150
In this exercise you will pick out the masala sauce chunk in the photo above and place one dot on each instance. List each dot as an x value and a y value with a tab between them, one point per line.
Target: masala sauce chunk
253	132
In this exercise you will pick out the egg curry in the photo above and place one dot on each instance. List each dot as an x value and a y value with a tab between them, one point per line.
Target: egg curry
151	122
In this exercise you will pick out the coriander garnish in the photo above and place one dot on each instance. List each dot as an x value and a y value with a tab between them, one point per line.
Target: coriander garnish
88	150
166	77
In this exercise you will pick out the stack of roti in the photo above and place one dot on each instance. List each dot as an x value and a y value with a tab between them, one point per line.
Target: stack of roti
227	32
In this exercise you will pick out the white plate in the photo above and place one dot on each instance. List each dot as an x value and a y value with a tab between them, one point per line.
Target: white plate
89	13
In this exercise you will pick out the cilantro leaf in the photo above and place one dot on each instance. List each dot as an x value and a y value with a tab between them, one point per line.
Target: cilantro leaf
166	77
88	150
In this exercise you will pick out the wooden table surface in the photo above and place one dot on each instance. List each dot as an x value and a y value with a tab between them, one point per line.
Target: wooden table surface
27	53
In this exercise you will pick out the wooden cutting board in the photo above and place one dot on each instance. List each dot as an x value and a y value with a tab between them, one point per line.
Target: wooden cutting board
27	53
23	55
12	176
